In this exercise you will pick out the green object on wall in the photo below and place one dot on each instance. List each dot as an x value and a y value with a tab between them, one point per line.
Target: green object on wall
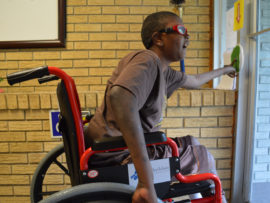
1	79
236	55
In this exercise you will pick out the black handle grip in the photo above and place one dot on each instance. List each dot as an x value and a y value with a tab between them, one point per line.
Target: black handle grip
27	75
47	79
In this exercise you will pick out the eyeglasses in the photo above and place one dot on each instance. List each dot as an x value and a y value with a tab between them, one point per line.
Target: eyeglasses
180	29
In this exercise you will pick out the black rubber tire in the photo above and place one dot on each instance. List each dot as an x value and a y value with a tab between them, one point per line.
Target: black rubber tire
36	193
104	192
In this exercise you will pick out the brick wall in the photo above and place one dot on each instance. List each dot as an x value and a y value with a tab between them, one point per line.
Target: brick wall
99	33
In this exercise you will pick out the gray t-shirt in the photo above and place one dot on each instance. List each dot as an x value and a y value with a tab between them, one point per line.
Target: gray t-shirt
140	73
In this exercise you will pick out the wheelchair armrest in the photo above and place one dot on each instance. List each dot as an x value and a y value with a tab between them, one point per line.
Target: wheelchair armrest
108	143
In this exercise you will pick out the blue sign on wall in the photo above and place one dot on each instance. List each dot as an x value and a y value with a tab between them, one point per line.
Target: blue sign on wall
54	120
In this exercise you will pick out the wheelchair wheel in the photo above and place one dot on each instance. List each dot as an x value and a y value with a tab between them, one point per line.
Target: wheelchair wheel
47	175
104	192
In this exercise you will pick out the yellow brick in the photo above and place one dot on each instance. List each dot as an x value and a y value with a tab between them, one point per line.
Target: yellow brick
136	45
53	179
102	36
87	63
87	45
11	100
121	54
217	111
109	62
183	132
13	158
26	147
45	101
77	72
128	19
60	63
183	112
6	190
87	80
200	122
14	199
114	45
197	62
225	121
204	54
127	2
5	169
21	190
199	45
155	3
105	80
9	65
38	136
57	187
45	89
190	19
224	164
76	2
102	54
14	179
198	27
221	153
230	98
172	122
135	27
129	36
101	71
3	103
2	56
47	55
184	98
115	10
91	100
87	10
87	28
12	136
173	100
77	19
219	98
23	101
24	125
204	19
34	101
208	143
203	2
77	36
70	28
196	10
225	143
216	132
224	173
204	36
95	88
191	54
36	157
208	98
4	147
48	146
82	100
75	54
101	2
19	56
115	27
11	115
196	98
54	102
46	125
102	18
142	10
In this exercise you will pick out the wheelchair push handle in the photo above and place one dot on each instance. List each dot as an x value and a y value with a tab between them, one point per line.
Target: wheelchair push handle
25	75
47	79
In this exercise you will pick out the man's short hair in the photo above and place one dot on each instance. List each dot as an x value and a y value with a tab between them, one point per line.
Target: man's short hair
153	23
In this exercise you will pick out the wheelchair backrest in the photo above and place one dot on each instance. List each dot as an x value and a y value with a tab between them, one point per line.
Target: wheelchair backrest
68	130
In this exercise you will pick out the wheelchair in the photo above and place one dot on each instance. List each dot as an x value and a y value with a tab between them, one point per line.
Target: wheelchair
110	183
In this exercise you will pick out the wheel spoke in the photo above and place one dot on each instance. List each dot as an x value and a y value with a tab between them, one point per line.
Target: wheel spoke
62	167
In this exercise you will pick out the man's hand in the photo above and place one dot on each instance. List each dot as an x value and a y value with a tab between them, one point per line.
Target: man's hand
143	195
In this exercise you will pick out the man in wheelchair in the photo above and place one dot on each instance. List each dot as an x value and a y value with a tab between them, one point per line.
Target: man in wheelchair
136	96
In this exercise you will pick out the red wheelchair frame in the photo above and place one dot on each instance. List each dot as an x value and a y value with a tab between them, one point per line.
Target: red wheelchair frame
85	155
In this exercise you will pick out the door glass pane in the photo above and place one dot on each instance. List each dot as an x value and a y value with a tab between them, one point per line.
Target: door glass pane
261	154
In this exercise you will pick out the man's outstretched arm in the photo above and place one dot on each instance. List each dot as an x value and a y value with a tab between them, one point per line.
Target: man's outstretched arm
126	113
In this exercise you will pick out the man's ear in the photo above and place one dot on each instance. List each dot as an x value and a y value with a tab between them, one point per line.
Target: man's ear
156	39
